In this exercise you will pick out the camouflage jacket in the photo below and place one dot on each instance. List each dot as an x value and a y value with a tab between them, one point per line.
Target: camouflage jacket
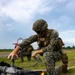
46	43
29	48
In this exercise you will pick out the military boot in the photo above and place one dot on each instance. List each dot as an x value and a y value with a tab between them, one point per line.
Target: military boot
64	68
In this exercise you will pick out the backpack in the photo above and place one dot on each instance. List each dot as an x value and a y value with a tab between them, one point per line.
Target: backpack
59	44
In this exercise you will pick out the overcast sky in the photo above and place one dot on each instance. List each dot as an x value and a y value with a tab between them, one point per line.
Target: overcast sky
18	16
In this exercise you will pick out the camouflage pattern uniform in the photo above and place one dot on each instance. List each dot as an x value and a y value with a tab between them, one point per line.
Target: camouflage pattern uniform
26	52
48	43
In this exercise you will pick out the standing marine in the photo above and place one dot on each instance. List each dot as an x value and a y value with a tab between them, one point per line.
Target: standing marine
50	46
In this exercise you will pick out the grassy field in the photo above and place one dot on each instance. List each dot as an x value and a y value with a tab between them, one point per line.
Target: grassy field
34	65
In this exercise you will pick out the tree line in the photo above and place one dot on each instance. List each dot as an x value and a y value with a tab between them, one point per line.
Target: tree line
67	47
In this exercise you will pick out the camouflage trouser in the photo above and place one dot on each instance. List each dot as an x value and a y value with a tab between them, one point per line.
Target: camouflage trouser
50	58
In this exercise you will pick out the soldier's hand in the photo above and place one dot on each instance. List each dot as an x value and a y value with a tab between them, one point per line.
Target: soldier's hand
34	54
11	55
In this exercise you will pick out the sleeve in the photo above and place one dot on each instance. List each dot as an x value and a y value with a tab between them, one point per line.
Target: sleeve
52	43
28	41
30	48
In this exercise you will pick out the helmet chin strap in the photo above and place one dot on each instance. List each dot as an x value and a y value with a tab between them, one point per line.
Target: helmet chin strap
43	33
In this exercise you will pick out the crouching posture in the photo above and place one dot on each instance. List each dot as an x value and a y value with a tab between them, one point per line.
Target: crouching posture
50	46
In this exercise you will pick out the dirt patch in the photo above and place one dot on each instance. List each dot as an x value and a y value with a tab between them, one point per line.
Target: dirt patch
4	54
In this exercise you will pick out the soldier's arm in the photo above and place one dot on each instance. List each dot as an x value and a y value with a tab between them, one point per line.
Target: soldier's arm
28	41
37	52
14	53
53	42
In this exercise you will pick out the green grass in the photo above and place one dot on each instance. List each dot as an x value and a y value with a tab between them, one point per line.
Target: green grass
34	65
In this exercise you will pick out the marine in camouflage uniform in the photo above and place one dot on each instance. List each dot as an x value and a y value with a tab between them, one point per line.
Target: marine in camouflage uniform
50	46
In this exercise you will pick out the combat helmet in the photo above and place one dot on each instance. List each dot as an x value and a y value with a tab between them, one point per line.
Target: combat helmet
40	25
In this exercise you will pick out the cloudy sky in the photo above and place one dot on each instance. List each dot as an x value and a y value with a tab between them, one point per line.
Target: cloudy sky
18	16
